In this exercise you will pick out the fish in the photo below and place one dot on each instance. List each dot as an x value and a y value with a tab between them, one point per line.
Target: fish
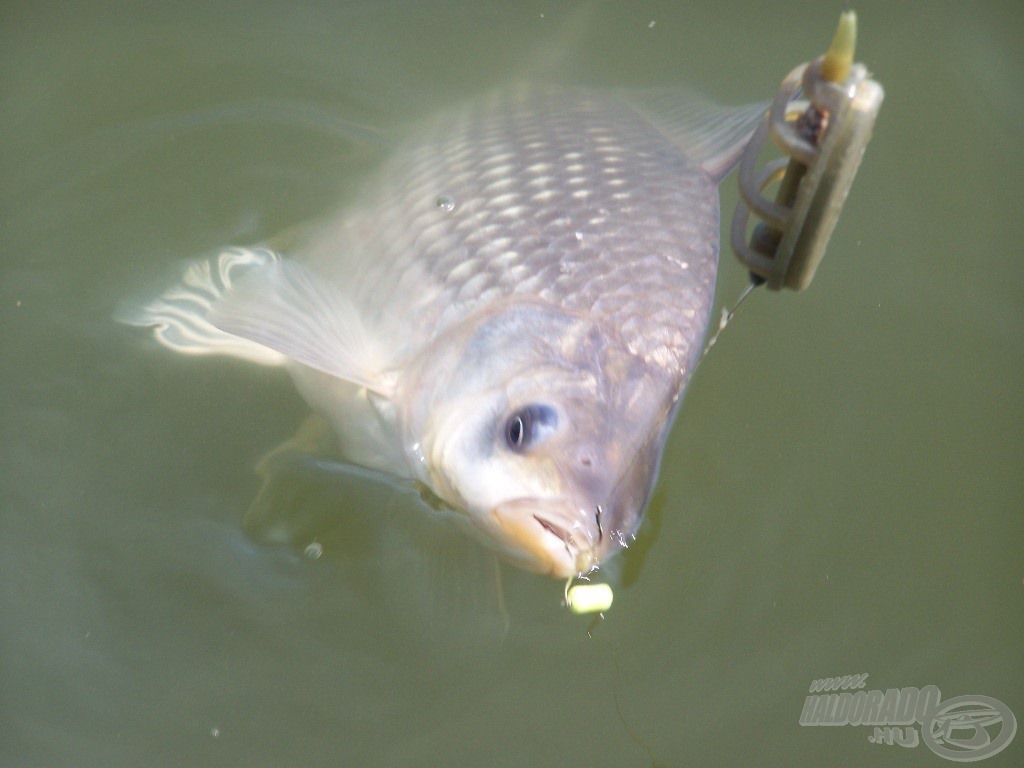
508	312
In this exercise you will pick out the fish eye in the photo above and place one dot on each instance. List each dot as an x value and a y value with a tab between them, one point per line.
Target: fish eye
530	426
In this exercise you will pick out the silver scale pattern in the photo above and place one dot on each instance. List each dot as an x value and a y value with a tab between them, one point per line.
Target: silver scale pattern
571	196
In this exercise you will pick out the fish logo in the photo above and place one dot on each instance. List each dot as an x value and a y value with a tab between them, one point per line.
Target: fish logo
969	728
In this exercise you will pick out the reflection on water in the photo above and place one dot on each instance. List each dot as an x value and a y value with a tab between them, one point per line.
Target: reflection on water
841	493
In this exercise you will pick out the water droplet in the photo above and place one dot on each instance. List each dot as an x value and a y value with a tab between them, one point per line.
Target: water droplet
446	203
313	550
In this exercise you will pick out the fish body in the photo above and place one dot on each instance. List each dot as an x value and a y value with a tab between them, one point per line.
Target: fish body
508	312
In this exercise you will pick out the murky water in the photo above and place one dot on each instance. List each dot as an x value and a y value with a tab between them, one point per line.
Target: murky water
842	493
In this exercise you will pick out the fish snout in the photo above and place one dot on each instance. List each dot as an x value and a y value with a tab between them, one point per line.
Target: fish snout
599	506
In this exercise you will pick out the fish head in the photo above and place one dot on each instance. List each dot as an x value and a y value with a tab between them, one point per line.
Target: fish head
544	432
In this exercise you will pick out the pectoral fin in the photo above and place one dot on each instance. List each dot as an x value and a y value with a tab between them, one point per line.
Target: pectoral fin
180	315
286	307
254	305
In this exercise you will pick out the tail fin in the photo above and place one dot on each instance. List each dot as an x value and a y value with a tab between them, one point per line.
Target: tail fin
180	316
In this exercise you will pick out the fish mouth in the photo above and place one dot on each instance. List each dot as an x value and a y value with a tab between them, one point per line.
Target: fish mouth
544	537
554	530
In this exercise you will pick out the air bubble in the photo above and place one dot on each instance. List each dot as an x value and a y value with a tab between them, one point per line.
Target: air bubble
313	550
446	203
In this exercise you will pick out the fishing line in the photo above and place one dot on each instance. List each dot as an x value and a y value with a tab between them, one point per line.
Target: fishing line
618	710
727	316
633	735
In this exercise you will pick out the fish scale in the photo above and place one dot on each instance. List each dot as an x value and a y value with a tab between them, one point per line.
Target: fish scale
576	199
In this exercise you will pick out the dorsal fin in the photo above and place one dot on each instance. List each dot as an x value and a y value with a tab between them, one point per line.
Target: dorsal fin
713	135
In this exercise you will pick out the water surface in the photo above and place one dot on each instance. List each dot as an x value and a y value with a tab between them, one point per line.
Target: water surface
842	492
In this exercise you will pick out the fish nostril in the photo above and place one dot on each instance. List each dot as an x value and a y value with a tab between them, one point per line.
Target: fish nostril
585	458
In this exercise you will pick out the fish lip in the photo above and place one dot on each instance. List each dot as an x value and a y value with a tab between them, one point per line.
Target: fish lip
582	557
555	530
541	544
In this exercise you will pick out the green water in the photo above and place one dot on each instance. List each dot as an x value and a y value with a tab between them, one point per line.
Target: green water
842	493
